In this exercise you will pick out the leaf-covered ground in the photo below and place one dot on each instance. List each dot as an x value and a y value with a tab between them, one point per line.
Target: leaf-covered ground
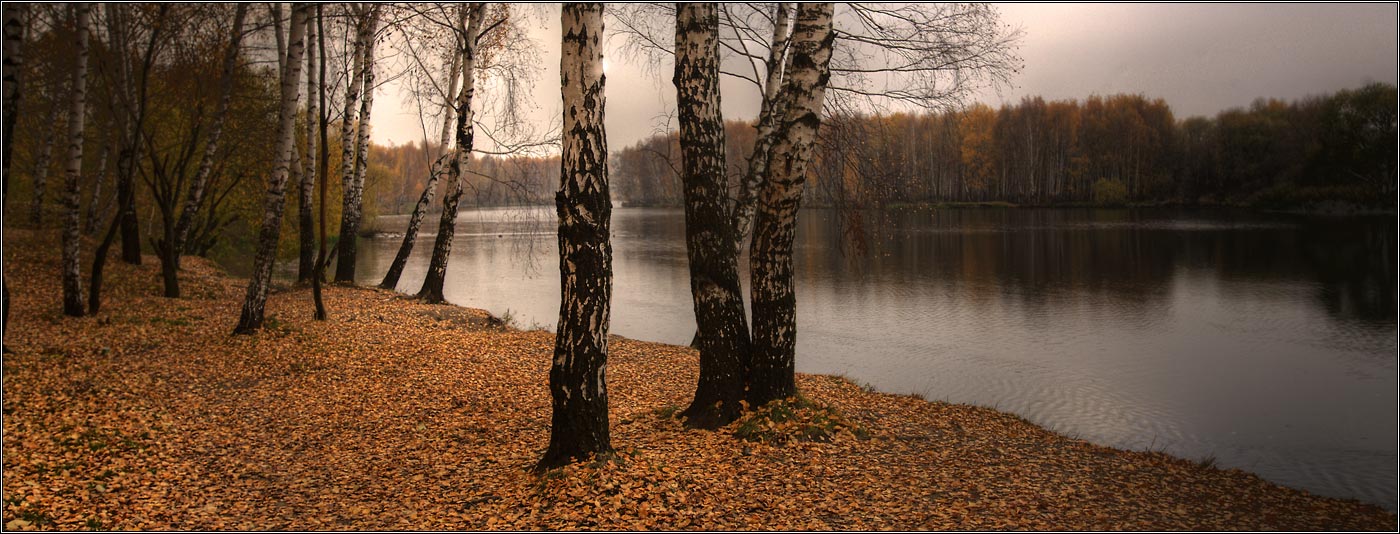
401	415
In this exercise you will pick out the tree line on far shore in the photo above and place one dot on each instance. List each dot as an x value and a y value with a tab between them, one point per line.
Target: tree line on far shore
1104	150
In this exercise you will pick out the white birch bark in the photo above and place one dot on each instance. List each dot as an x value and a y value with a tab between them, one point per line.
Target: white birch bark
774	299
72	215
194	197
433	283
420	210
578	376
251	317
349	153
306	257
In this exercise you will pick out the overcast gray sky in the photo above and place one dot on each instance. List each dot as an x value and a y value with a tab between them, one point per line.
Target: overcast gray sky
1201	58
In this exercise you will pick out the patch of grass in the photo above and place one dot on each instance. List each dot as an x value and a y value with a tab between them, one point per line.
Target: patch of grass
178	321
795	419
508	319
275	325
1207	463
94	523
666	412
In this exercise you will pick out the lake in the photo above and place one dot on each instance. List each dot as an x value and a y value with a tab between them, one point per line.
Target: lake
1264	341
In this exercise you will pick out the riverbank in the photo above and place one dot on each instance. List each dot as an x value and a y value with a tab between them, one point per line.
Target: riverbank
400	415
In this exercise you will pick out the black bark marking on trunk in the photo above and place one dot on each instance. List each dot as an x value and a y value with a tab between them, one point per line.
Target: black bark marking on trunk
306	254
15	16
578	376
251	317
72	216
723	331
431	290
773	363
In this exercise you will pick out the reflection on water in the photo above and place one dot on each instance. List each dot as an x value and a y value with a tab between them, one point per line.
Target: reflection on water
1267	342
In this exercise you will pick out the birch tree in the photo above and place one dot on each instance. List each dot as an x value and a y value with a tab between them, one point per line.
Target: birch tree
194	196
355	150
431	290
772	368
323	165
43	163
306	252
922	55
420	209
714	272
72	214
16	15
578	376
251	317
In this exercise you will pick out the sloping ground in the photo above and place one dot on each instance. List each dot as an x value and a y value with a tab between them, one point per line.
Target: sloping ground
400	415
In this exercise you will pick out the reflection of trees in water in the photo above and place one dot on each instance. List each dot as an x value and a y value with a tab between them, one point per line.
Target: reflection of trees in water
1355	263
1045	258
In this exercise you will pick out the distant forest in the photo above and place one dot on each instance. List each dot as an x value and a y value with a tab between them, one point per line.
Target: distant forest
1337	150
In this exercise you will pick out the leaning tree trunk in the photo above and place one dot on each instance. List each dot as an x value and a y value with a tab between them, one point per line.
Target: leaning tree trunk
578	377
355	151
42	164
714	264
420	210
772	369
766	135
323	165
306	257
15	17
194	197
72	198
251	317
129	124
447	225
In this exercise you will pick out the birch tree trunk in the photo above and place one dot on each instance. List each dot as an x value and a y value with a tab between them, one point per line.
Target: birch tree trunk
16	15
770	255
578	376
306	257
356	149
72	213
251	317
447	225
95	208
766	135
133	120
723	330
740	214
323	165
194	197
420	210
42	164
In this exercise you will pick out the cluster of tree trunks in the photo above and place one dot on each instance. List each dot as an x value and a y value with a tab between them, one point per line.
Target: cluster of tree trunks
431	291
739	363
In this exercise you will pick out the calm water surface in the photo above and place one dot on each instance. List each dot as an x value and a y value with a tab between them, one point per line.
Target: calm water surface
1267	342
